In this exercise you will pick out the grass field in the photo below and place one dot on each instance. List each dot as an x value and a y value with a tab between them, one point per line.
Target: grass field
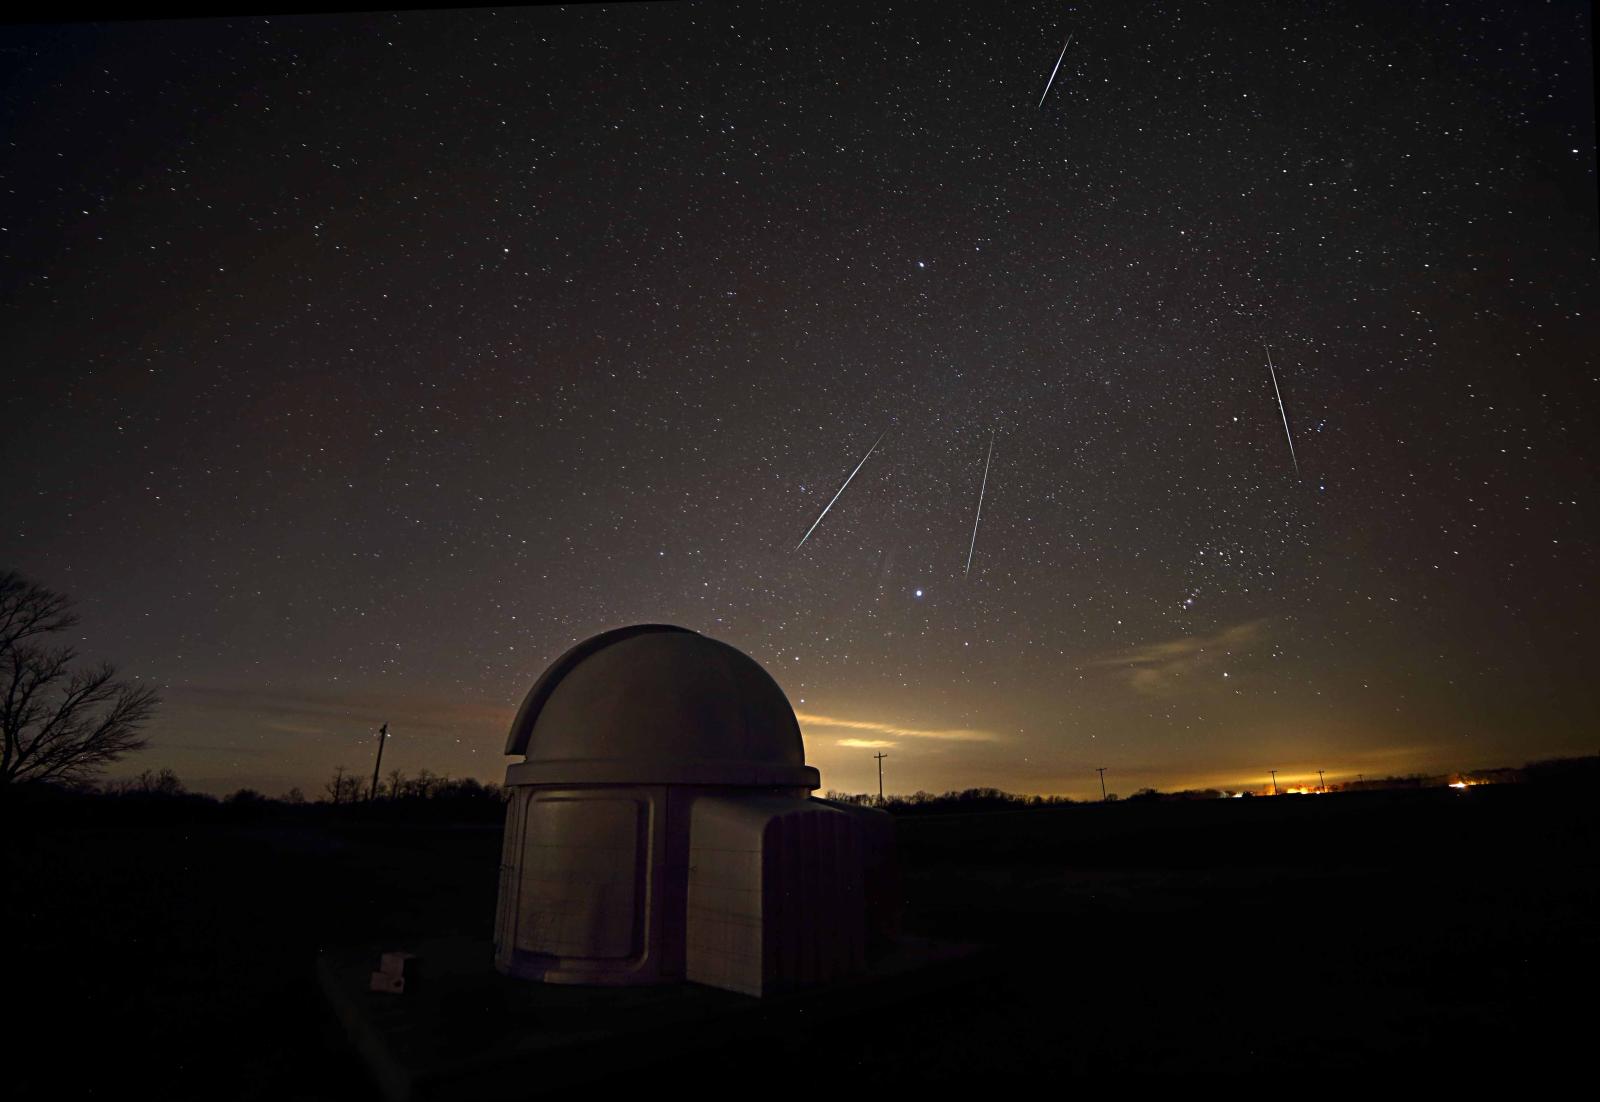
1430	933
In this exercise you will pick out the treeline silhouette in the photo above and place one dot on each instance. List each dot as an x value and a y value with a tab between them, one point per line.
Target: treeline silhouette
399	787
161	795
1563	772
970	799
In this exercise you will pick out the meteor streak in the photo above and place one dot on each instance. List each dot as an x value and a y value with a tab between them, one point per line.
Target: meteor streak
828	506
1051	82
981	489
1281	411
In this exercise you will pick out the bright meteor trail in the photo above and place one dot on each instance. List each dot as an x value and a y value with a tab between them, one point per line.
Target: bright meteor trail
828	506
1051	82
979	516
1281	411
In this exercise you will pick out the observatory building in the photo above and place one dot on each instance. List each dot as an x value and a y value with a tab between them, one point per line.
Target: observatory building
660	827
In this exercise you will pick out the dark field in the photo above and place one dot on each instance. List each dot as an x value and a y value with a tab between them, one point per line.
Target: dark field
1441	934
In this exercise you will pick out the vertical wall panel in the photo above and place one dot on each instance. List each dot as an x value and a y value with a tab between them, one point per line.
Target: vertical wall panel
581	877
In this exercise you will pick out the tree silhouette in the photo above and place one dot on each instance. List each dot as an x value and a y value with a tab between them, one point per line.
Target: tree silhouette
343	787
165	784
58	724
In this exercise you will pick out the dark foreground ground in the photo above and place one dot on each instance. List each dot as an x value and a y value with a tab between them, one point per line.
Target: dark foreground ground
1442	935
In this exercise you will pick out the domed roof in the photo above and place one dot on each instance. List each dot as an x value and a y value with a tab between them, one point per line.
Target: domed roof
657	704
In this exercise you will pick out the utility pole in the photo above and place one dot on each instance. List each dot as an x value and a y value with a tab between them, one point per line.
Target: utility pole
383	737
1322	784
880	755
1102	772
1274	773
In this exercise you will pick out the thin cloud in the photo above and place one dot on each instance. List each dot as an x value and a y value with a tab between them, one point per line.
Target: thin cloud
1158	667
865	743
314	713
296	728
947	734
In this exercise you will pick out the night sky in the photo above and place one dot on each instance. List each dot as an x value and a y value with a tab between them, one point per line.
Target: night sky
356	366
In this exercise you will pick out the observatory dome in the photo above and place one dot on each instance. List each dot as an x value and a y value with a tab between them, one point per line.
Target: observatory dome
656	704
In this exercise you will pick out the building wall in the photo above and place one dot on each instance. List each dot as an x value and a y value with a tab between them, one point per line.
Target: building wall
752	890
775	894
581	879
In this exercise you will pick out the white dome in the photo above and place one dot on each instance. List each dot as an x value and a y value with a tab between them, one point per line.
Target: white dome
656	704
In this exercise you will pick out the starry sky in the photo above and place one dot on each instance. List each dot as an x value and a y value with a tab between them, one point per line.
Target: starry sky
358	365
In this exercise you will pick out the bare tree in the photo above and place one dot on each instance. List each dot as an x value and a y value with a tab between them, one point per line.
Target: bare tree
58	724
423	786
335	788
343	787
164	783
